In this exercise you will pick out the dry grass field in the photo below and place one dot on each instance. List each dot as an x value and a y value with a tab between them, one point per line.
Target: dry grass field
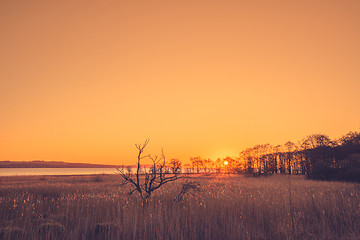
226	207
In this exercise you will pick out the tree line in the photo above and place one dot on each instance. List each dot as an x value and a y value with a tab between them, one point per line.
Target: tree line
316	156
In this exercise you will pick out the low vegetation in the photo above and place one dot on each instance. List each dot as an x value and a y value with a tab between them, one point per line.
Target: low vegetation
219	206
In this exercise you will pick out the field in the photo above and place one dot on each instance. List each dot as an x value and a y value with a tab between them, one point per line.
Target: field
225	207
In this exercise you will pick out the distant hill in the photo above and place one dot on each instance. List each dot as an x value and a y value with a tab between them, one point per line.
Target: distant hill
52	164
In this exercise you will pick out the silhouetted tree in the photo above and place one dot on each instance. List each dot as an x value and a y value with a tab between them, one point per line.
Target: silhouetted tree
248	156
290	148
207	165
196	163
153	180
175	166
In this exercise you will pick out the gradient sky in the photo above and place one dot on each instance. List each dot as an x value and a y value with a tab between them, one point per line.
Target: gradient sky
83	81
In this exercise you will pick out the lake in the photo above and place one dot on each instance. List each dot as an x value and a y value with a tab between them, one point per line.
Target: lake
65	171
55	171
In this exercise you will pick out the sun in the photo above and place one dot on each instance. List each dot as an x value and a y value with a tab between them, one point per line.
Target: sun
226	163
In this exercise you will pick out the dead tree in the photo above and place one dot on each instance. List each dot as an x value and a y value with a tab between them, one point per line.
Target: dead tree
175	165
187	187
155	177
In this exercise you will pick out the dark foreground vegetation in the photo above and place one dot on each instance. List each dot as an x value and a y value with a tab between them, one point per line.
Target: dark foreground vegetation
223	207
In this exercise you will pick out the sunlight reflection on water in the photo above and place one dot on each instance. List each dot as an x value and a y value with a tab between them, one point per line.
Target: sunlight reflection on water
55	171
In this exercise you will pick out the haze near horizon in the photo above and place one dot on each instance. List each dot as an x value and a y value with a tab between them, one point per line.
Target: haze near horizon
83	81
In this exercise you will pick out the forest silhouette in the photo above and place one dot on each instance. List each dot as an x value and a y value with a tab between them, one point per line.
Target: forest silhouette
317	156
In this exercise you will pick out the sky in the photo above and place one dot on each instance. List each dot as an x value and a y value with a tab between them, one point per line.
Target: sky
83	81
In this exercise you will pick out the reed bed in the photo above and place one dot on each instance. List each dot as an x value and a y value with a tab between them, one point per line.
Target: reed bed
226	207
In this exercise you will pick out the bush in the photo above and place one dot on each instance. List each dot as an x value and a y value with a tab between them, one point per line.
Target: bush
336	174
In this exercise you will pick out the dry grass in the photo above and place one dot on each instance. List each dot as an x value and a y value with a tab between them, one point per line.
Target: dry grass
227	207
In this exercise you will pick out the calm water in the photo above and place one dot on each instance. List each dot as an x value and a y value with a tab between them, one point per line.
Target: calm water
55	171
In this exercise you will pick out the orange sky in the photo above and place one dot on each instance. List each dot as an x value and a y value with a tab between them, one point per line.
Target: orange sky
85	81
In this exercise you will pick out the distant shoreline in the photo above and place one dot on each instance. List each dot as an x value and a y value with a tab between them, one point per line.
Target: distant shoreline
55	164
54	171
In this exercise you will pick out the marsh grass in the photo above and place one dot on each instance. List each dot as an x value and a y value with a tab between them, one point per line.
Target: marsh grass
226	207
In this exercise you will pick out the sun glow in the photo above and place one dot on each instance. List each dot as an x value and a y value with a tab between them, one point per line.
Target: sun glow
226	163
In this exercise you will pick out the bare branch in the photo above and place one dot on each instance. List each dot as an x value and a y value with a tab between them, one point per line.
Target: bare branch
154	179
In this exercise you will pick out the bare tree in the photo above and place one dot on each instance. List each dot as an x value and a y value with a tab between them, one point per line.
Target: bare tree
290	148
187	187
207	165
197	163
153	179
175	166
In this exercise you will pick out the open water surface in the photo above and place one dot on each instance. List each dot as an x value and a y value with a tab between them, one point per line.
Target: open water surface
55	171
